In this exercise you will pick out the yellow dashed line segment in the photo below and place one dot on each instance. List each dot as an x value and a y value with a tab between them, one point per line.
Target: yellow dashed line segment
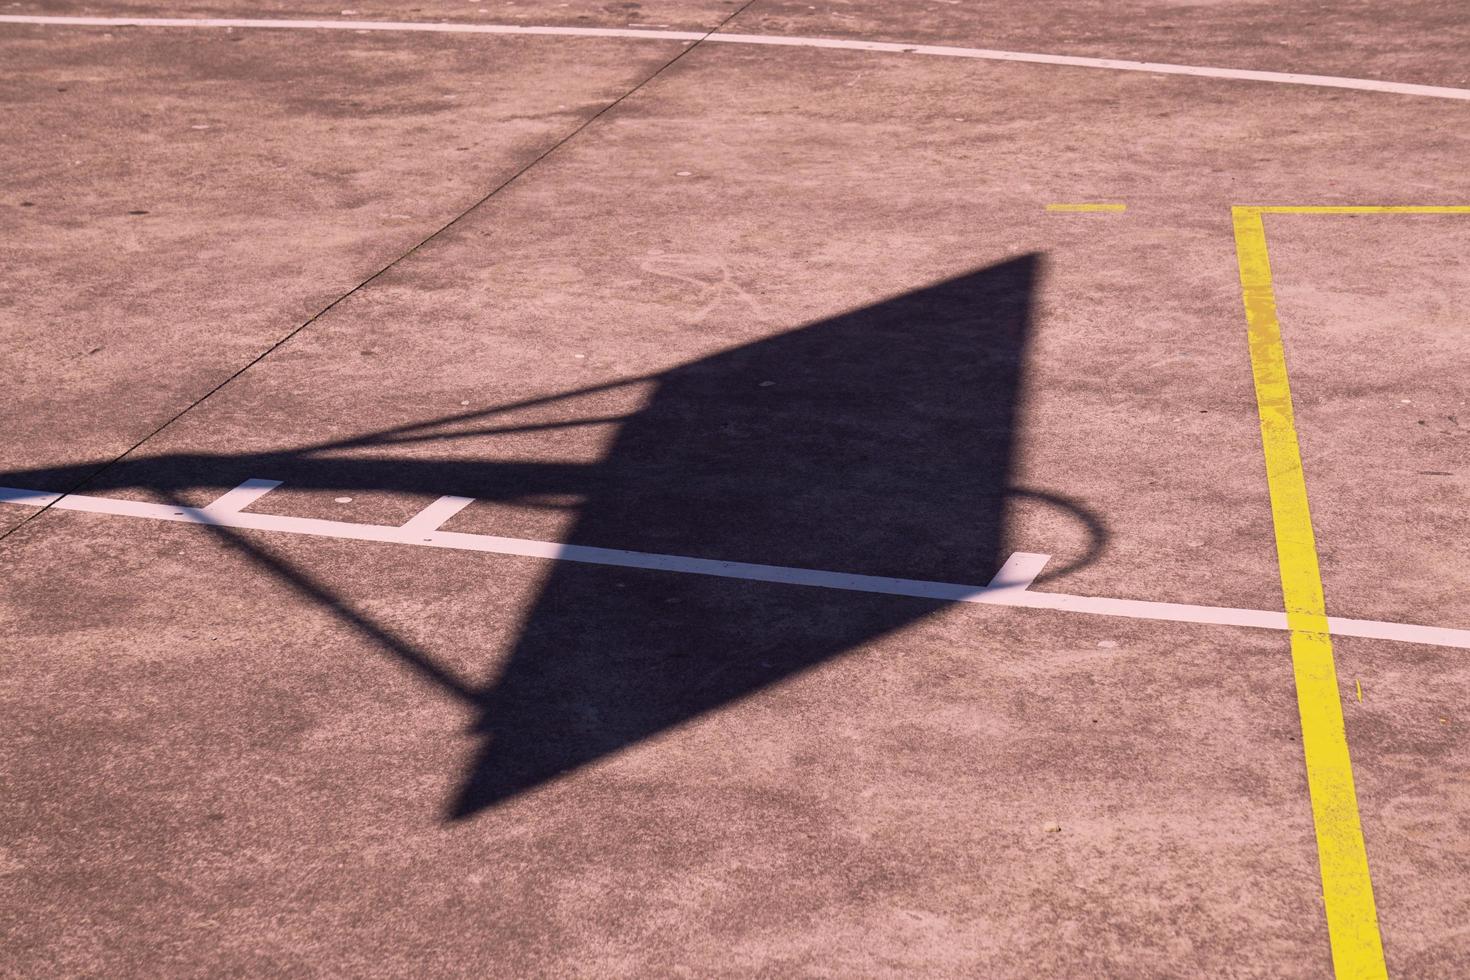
1087	207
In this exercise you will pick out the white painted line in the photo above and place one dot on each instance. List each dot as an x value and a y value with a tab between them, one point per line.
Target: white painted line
1008	588
394	26
28	498
1113	64
1173	612
1019	571
236	500
892	47
1372	629
432	517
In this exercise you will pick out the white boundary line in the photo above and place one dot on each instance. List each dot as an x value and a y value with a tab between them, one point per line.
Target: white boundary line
1010	586
937	50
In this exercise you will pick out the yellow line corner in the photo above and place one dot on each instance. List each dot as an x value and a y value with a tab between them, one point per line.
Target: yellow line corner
1353	209
1347	887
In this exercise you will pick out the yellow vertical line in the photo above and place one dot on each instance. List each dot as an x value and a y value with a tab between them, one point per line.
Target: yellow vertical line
1347	888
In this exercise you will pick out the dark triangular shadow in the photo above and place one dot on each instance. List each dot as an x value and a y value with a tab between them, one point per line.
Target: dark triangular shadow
877	442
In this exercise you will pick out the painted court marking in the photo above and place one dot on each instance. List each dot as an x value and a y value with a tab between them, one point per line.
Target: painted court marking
1009	587
1347	886
935	50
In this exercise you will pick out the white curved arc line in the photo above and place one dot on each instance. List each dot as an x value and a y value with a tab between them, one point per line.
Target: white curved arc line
892	47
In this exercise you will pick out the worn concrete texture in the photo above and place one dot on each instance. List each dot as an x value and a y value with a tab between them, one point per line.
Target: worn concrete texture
803	307
176	203
1418	41
687	15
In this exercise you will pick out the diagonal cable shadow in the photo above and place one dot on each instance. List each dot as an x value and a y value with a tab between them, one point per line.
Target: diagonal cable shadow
879	442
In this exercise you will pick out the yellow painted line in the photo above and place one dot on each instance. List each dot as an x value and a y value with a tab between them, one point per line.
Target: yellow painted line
1361	209
1347	888
1087	207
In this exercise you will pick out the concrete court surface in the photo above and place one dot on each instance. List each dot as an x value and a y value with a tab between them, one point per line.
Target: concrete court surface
790	306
